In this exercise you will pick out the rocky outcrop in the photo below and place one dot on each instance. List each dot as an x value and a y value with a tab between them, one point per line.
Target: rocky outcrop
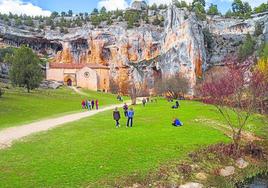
146	53
139	5
229	33
227	171
50	84
192	185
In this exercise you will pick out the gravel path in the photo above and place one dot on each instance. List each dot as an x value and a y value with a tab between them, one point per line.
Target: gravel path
7	136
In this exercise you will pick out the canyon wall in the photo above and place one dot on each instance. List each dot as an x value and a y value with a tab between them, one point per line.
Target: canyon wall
143	54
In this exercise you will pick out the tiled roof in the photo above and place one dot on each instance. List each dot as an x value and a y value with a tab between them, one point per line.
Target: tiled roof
76	66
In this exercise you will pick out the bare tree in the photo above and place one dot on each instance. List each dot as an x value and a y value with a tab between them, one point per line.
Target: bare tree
235	94
114	87
174	86
133	92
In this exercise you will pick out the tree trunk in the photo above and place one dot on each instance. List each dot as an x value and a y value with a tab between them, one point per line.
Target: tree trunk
236	139
133	95
28	88
134	100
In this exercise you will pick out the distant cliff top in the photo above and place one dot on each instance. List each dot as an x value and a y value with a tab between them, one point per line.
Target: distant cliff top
139	5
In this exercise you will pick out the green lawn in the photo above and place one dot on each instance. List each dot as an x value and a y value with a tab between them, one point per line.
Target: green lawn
18	107
93	153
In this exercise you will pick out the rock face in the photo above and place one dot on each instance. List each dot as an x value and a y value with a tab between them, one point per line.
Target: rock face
201	176
227	171
143	54
139	5
191	185
4	69
50	84
241	163
228	34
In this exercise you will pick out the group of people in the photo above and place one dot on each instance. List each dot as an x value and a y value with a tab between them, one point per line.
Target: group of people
176	122
90	104
147	100
128	113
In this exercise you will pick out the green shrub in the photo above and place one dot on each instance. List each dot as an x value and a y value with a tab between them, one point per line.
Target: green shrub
258	29
208	39
247	48
1	92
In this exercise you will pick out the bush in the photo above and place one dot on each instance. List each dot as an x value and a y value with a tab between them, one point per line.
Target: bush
95	20
1	92
247	48
208	38
259	29
156	21
173	87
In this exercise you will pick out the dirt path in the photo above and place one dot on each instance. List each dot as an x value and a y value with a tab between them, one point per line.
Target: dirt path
7	136
78	91
246	136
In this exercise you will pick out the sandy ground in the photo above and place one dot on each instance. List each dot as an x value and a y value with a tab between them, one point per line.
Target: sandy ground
9	135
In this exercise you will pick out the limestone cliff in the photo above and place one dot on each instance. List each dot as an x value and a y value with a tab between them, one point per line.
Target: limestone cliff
145	53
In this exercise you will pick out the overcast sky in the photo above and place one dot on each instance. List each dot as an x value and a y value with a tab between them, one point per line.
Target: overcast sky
45	7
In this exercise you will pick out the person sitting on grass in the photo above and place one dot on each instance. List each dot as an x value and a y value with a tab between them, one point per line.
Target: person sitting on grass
177	122
116	116
177	105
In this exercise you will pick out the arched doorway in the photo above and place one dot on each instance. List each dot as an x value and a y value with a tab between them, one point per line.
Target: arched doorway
69	82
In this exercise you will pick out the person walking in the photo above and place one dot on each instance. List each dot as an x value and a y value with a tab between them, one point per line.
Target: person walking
97	104
130	116
143	102
83	104
89	104
92	104
125	108
116	116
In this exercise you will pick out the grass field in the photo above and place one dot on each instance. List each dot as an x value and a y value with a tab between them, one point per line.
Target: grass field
18	107
93	153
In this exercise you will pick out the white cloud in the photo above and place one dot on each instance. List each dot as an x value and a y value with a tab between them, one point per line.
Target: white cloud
255	3
19	7
113	4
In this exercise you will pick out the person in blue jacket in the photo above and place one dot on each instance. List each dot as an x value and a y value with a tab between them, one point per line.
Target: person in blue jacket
130	115
177	122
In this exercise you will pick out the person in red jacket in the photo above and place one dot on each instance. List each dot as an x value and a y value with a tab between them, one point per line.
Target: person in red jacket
83	104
